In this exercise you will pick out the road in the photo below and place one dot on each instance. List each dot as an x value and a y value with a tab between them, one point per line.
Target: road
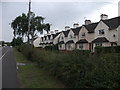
9	70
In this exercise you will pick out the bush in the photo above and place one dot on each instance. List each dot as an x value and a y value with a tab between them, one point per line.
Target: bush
27	50
112	49
78	69
53	47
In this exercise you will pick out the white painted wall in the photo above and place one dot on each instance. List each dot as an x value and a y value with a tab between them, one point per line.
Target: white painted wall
111	37
72	47
55	40
118	29
62	47
102	25
74	38
36	42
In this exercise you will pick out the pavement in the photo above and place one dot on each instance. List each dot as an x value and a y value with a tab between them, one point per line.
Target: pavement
9	69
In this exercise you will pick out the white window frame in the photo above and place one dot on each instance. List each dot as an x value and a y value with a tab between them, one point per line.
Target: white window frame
101	32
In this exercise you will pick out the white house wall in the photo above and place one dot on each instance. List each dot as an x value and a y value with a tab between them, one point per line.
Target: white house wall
65	39
118	29
55	40
72	47
74	38
112	38
100	26
62	47
88	36
36	42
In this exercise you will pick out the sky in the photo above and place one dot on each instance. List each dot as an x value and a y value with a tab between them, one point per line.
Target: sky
59	14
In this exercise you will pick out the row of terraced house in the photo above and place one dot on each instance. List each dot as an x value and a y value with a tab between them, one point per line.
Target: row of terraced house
104	33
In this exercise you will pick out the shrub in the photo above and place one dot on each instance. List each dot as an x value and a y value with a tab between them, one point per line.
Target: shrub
78	69
112	49
53	47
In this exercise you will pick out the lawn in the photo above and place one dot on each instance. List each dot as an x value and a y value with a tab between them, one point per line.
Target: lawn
33	77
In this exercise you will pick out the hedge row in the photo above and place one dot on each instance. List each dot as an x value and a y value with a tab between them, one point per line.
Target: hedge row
111	49
78	69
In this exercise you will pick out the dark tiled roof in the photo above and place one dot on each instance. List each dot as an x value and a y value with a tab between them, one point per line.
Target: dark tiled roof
76	30
70	41
45	37
66	33
91	27
112	23
55	35
61	42
51	43
100	39
49	37
40	43
46	43
82	41
42	38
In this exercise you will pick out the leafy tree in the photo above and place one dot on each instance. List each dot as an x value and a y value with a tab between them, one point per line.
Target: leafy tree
20	26
17	41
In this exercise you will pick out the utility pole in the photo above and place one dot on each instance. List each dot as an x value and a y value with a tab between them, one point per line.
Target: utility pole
29	21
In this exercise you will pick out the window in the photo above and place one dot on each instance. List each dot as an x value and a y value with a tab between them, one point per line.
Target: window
71	36
69	46
101	32
98	44
83	34
81	46
114	35
62	38
60	46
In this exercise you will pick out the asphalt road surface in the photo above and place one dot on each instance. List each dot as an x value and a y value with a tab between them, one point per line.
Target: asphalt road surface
9	70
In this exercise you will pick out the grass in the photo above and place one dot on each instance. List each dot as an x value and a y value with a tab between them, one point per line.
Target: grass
33	77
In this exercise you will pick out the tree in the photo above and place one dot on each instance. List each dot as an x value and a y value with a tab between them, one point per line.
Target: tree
17	41
20	26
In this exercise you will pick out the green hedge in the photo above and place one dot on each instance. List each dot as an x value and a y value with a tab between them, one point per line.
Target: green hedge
112	49
78	69
53	47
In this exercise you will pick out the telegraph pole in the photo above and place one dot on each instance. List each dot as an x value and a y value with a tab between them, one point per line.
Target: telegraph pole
29	21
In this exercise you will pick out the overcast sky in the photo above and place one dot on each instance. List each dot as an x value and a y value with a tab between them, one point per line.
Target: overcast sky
59	14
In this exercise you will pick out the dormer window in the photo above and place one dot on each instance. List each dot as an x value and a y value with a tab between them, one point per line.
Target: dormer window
62	38
71	36
83	34
101	32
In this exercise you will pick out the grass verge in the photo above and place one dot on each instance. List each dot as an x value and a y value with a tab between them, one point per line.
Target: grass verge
33	77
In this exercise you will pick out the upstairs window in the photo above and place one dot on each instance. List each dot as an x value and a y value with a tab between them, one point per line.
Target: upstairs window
62	38
83	35
71	36
101	32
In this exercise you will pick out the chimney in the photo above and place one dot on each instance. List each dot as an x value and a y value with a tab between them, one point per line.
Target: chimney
87	22
51	32
103	16
56	31
75	25
67	27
